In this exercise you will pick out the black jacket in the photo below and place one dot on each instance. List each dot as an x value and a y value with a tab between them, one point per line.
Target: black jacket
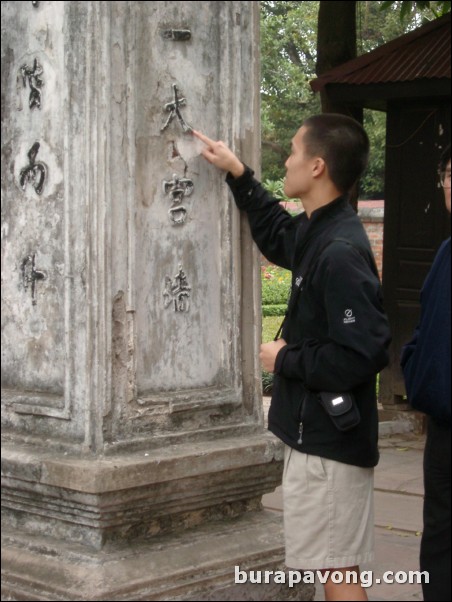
336	331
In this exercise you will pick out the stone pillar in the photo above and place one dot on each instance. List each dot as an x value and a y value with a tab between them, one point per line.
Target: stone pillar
134	455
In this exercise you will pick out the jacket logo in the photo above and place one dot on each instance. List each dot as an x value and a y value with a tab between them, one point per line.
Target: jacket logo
349	317
298	281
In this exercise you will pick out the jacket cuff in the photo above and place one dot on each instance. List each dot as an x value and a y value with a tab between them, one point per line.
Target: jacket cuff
280	359
243	188
242	182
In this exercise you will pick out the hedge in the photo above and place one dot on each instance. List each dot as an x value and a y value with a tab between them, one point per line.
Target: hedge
276	283
274	310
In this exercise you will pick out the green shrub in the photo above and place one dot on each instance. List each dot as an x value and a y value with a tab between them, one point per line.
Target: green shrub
267	382
274	310
276	284
270	326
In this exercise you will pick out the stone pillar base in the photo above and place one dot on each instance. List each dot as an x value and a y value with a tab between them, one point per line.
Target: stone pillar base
163	524
195	565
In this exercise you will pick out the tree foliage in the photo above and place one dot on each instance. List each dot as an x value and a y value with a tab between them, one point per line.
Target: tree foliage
288	59
424	10
288	54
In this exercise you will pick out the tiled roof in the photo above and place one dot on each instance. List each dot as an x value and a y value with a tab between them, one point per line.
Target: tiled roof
421	54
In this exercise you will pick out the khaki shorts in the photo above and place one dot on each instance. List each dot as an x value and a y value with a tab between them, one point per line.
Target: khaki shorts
328	512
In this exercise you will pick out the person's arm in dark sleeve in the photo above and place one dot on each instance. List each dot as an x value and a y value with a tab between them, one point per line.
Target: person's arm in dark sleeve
407	362
408	350
272	227
356	347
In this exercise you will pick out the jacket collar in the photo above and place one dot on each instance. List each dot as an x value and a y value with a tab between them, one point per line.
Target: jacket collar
318	222
332	208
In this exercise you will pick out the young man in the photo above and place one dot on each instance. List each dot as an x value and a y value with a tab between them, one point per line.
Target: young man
426	367
334	340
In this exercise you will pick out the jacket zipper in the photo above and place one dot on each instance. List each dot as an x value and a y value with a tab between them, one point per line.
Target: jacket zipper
300	436
300	425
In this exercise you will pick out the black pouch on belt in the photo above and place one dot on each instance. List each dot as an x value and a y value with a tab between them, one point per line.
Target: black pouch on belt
341	408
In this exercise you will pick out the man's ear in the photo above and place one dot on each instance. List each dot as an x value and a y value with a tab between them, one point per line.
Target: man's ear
319	167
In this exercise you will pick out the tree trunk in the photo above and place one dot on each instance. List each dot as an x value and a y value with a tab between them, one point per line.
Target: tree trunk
336	44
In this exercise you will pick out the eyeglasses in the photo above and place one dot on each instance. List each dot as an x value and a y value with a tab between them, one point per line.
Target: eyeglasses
444	178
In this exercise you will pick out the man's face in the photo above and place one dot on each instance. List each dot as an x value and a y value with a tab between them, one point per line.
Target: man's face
446	187
298	168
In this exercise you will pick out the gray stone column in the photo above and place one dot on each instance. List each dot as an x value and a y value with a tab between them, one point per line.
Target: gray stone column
134	455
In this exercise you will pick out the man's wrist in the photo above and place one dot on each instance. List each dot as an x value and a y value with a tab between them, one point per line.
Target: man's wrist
237	170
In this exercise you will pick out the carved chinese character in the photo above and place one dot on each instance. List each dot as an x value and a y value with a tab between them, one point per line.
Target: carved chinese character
177	291
177	35
174	111
34	173
30	275
177	189
33	75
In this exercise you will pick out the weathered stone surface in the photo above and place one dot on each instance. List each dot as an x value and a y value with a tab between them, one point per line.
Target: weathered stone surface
134	455
94	501
196	565
95	352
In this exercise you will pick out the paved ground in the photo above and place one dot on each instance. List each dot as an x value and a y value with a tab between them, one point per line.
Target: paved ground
398	515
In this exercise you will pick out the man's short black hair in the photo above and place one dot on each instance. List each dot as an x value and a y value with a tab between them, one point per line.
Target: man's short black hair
342	143
445	158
